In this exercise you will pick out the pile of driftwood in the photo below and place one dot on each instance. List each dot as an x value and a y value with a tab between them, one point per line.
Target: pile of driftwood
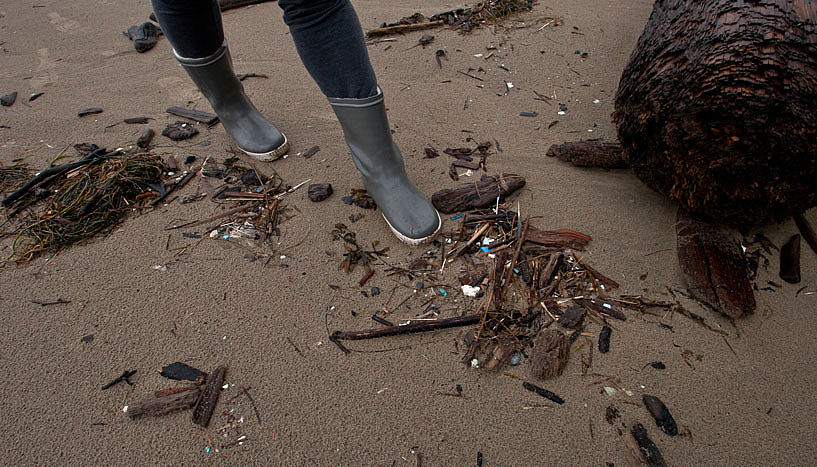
528	291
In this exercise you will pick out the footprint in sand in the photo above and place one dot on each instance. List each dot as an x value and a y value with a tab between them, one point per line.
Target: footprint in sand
63	24
180	89
44	74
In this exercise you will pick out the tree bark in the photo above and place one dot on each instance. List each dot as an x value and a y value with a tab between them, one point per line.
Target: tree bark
716	108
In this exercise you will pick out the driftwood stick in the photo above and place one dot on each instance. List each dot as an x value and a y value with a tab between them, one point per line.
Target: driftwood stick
225	213
209	397
165	404
806	231
181	183
412	328
53	171
401	28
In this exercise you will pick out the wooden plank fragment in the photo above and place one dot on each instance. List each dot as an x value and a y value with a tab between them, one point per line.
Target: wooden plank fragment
209	397
195	115
713	266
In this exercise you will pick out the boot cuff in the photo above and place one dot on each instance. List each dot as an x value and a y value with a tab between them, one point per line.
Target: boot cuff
365	102
203	61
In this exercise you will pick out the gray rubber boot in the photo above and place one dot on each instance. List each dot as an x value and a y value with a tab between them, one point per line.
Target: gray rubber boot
408	212
215	78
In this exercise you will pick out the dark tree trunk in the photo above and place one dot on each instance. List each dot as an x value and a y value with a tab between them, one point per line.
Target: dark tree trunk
717	108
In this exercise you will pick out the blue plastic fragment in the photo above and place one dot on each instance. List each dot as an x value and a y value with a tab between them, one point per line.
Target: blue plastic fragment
516	359
442	291
516	270
486	249
457	217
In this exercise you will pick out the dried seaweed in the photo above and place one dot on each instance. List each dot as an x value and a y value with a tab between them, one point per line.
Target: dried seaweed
86	202
13	176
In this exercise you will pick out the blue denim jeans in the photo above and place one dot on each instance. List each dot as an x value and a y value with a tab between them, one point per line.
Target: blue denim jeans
327	35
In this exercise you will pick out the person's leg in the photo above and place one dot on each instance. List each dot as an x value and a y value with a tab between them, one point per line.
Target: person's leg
193	28
330	41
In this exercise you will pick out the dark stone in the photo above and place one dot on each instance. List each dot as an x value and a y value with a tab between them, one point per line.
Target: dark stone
8	99
180	131
319	191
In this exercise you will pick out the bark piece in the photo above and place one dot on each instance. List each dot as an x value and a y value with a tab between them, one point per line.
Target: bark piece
145	138
180	131
604	339
790	260
481	194
714	107
549	355
713	266
144	36
559	238
572	318
183	372
209	397
589	154
8	99
661	414
165	404
642	449
319	191
195	115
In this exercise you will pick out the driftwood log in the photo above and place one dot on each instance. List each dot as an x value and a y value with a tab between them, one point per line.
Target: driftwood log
716	108
476	195
713	266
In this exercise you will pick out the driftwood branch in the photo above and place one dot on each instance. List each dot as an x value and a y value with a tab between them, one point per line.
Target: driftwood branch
401	28
165	404
412	328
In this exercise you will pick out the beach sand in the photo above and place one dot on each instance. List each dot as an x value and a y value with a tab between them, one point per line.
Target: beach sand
744	399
